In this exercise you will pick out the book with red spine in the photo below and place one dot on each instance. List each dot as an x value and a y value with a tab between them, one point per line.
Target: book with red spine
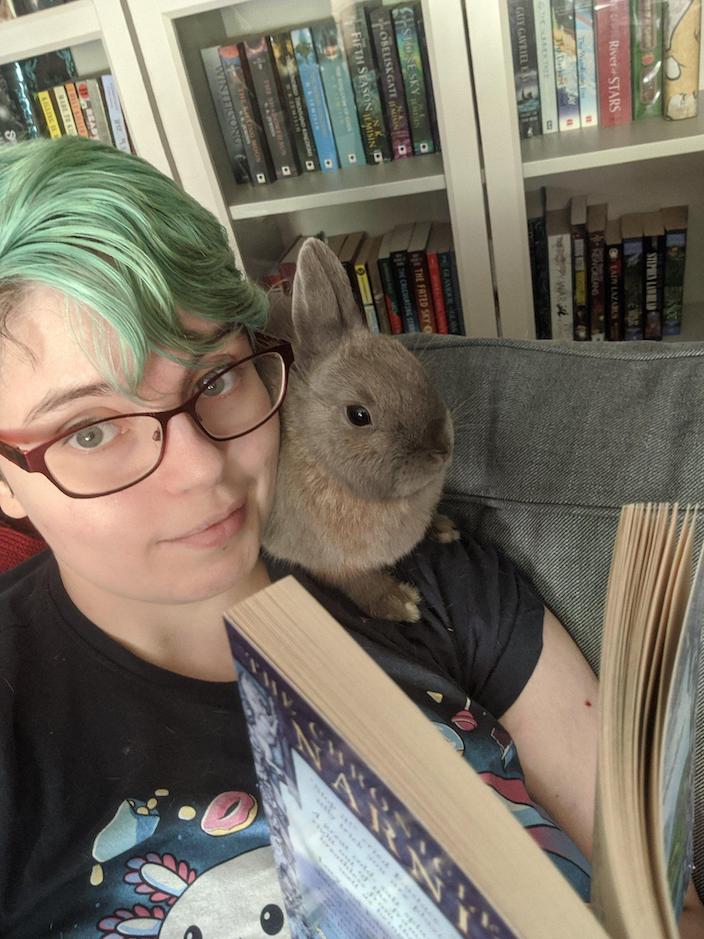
613	33
614	280
440	240
420	278
76	109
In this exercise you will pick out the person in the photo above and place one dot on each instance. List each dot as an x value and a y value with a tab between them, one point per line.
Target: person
139	435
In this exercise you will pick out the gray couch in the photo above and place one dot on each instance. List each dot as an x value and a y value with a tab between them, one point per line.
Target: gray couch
551	439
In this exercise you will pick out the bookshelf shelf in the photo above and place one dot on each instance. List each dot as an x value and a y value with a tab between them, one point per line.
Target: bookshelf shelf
594	147
318	190
68	25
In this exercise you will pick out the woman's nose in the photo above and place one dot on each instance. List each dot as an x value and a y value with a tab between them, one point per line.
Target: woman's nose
191	459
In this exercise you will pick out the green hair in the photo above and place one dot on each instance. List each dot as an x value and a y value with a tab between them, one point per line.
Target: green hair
126	244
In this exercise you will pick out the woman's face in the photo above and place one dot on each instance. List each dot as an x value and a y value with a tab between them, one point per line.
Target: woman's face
137	543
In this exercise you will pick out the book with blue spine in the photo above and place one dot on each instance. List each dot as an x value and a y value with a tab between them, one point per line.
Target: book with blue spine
398	252
586	62
338	92
415	85
312	85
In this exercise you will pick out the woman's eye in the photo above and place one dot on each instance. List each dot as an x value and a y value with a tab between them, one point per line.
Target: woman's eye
92	437
220	384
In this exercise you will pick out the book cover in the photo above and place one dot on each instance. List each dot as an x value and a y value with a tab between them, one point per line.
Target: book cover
580	270
234	64
51	118
586	62
654	269
614	280
675	222
265	87
115	113
646	58
525	67
596	235
338	92
451	288
420	277
312	86
542	16
365	82
633	275
347	255
376	284
414	82
22	98
63	108
391	81
398	249
76	110
557	222
12	125
48	69
225	113
386	273
613	32
425	61
92	103
440	241
538	250
364	284
682	42
566	75
292	96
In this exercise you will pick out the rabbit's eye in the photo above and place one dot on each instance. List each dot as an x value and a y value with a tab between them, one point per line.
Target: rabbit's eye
358	415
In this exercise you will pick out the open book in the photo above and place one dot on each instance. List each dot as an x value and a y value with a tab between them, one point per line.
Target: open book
381	831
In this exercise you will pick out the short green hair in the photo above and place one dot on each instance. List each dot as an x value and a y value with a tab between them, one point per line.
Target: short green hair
123	241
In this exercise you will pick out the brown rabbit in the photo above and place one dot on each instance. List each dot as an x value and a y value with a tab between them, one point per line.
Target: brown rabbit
365	445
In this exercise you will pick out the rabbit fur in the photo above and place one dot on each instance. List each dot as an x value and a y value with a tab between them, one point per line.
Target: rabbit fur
353	497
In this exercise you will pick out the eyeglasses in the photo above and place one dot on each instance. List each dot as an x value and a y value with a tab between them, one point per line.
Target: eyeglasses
115	452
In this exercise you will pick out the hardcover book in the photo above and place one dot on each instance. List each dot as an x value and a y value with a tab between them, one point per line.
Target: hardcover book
420	277
633	275
338	92
525	67
538	250
586	62
613	31
386	273
389	834
312	86
225	112
682	44
234	65
654	270
542	16
557	223
115	114
391	81
292	96
357	41
264	85
414	80
614	280
442	246
675	223
440	241
398	249
596	235
580	280
646	58
566	75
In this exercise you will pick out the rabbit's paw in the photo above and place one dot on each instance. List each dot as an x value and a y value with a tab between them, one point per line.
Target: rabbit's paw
399	603
443	529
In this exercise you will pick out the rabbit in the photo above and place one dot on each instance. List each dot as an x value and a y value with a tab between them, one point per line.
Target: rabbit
366	442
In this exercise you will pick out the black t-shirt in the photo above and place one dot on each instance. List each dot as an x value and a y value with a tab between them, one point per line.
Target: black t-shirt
128	800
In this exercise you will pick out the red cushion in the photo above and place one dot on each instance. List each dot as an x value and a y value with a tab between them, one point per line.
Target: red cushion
17	546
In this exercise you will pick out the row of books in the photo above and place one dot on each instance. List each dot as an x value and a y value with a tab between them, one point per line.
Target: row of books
342	91
9	9
44	97
599	278
584	63
404	280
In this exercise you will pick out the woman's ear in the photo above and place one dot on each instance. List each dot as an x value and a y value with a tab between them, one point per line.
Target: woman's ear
9	503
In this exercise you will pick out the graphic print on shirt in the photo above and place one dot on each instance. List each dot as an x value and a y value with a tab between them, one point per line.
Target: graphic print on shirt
211	880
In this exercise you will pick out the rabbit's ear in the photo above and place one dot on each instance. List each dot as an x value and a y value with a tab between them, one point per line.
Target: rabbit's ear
323	308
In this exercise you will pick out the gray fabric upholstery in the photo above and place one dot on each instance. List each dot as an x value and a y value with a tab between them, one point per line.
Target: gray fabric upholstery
551	440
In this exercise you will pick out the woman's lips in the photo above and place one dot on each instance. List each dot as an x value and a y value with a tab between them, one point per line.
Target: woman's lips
218	534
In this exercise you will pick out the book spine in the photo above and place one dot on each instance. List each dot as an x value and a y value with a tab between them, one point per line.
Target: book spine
633	288
75	105
338	92
355	33
681	59
580	286
422	294
414	82
597	286
92	107
292	96
365	295
391	82
673	293
613	32
261	69
436	292
378	294
586	62
245	107
646	58
450	292
64	109
566	76
525	67
114	109
50	117
225	113
538	249
393	310
560	272
312	86
653	271
21	95
425	61
614	291
542	18
12	126
404	294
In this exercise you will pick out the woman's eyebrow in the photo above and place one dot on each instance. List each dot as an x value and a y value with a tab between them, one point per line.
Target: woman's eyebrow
53	400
